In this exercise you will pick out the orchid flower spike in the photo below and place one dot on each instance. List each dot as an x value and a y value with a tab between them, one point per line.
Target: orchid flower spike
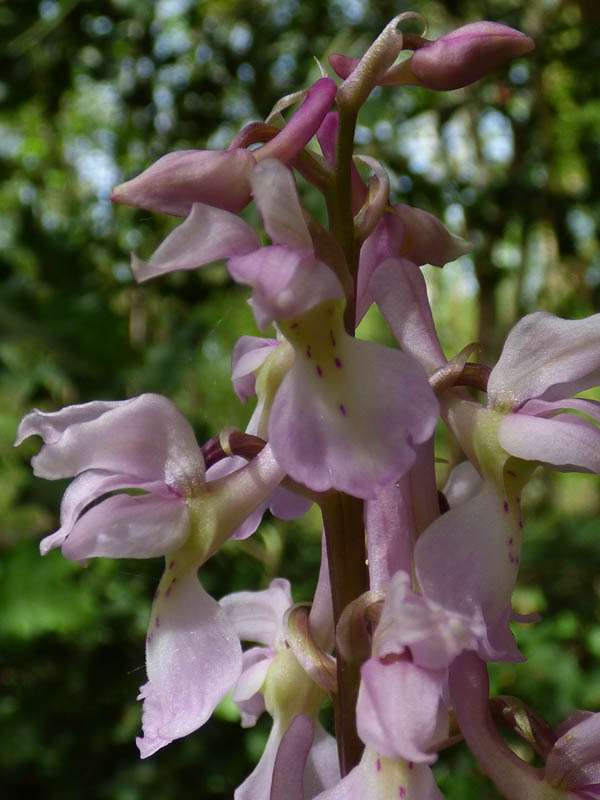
146	446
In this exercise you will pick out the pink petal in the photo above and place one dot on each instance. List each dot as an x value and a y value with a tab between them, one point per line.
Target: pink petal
249	353
379	778
330	429
193	658
247	695
434	634
385	241
285	282
463	483
545	408
400	292
146	437
546	357
303	125
427	240
129	527
255	665
399	712
208	234
567	442
178	180
468	559
288	769
276	196
87	487
257	616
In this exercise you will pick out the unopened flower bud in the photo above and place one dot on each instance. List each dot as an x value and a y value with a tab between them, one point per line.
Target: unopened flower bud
467	54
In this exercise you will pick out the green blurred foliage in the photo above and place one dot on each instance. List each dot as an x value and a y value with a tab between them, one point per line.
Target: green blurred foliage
91	94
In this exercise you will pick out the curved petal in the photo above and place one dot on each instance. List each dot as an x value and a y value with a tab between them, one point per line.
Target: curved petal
399	290
463	483
379	778
426	240
434	634
385	240
86	488
285	282
206	235
288	769
546	408
146	437
468	559
546	357
566	442
257	616
322	768
129	527
276	196
303	125
193	658
329	427
176	181
255	665
249	352
399	712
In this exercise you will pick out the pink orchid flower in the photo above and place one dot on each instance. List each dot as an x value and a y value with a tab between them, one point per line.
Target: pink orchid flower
146	445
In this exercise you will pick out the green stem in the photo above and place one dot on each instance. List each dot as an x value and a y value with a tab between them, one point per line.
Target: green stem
342	218
345	537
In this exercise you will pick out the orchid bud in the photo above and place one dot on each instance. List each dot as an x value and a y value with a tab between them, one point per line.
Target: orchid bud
467	54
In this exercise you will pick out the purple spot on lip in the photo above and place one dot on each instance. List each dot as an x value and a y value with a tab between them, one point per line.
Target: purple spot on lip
505	507
319	371
308	351
332	337
343	409
510	541
520	523
410	765
171	565
157	622
401	791
511	473
294	325
378	765
338	363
